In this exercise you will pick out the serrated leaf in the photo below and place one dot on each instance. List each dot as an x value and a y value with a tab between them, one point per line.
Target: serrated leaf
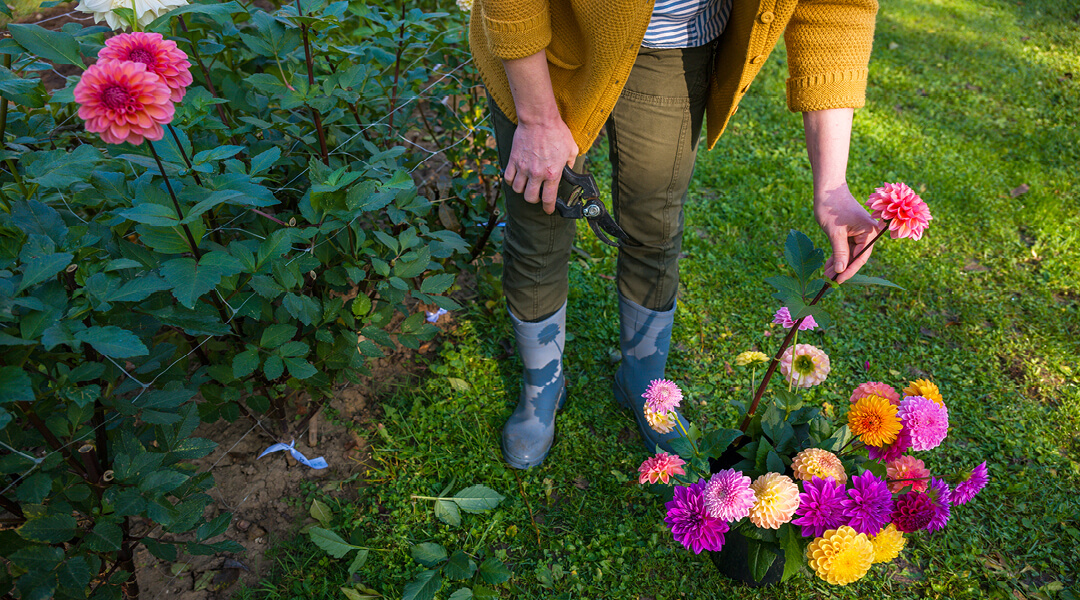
40	268
428	554
321	512
276	335
493	571
423	586
105	537
447	512
462	594
214	527
802	256
162	550
151	214
57	46
358	562
437	284
273	367
113	341
859	279
477	499
244	363
190	280
51	529
460	567
74	574
329	541
15	385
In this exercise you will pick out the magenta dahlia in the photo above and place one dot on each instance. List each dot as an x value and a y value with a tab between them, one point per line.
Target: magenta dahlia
869	504
690	523
939	495
821	507
913	511
971	483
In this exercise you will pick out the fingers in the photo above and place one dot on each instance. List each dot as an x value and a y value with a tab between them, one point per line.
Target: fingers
550	191
856	264
839	239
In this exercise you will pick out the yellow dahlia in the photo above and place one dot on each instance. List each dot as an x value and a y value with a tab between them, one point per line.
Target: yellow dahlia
888	543
775	499
817	462
751	358
661	422
926	389
840	556
874	420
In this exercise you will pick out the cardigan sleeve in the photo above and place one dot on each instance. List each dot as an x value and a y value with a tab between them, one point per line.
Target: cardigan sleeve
828	44
516	28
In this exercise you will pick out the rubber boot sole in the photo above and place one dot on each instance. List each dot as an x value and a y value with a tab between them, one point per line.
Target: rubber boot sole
524	464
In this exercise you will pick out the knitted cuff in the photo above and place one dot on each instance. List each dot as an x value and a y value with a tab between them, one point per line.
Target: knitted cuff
838	89
519	38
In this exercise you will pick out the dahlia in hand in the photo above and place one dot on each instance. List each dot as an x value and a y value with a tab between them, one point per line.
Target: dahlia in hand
904	210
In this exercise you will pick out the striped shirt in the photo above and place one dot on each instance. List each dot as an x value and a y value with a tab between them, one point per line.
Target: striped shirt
686	23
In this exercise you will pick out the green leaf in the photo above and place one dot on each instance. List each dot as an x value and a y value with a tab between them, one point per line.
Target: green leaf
139	289
802	256
493	571
20	91
477	499
460	567
447	512
838	439
273	367
245	363
74	574
437	284
462	594
113	341
793	551
214	527
423	586
37	558
330	542
859	279
190	280
51	529
358	562
105	537
151	214
164	551
760	557
298	367
303	308
321	512
714	443
265	160
15	385
428	554
40	268
774	463
56	46
276	335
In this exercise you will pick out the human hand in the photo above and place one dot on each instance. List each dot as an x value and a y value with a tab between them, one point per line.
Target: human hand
849	228
539	152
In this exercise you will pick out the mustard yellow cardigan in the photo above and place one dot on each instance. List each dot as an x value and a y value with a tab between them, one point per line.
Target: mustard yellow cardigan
591	46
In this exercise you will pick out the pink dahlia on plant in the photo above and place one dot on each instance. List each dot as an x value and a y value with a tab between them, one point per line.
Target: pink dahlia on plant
815	462
875	388
662	395
775	499
971	483
904	210
940	496
691	524
804	365
869	504
925	420
783	317
660	468
161	56
123	102
913	511
907	471
728	495
821	507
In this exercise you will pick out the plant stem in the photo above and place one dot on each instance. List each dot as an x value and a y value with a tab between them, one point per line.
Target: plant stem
687	436
397	69
206	78
791	334
176	203
310	63
51	439
183	154
4	108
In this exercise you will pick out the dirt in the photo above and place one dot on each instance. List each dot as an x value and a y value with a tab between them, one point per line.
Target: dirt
262	493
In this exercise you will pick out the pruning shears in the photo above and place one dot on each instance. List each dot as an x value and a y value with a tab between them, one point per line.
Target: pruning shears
579	198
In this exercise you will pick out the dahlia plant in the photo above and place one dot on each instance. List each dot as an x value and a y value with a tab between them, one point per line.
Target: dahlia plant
836	495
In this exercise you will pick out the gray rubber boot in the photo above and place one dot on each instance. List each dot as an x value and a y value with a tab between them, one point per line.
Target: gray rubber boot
530	430
644	338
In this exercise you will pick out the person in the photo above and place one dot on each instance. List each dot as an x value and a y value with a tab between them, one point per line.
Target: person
557	71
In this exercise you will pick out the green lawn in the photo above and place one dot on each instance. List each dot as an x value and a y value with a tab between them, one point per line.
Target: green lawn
969	100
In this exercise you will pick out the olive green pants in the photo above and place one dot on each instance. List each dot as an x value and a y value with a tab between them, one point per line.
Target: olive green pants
653	135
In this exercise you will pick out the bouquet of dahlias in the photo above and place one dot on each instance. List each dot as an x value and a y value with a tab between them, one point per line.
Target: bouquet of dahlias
792	482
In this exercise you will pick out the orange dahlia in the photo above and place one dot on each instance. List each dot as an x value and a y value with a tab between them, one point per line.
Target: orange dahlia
161	57
123	102
926	389
873	419
815	462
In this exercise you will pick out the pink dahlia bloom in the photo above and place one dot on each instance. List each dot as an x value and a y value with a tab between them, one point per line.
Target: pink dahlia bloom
925	420
783	317
123	102
970	485
728	495
913	511
775	499
662	396
902	208
907	471
660	468
691	525
804	365
161	56
875	388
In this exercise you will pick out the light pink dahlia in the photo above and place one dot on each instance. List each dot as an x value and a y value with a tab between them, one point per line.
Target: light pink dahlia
902	208
123	102
783	317
907	471
804	365
161	56
816	462
875	388
775	499
728	495
925	420
662	396
660	468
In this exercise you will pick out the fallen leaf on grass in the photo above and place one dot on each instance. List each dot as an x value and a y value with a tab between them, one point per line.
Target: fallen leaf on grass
581	483
1020	190
974	265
